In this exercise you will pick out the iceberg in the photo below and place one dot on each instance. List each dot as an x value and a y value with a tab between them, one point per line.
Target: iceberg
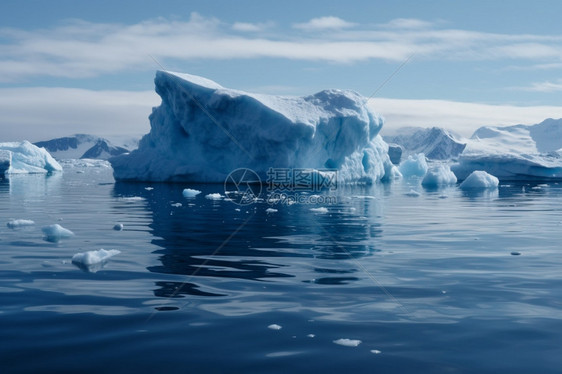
518	152
24	157
479	179
440	175
202	131
414	166
54	233
436	143
189	193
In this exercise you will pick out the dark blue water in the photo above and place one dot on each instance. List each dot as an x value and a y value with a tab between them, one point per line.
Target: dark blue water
445	282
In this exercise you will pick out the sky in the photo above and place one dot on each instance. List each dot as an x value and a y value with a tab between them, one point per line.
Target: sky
71	67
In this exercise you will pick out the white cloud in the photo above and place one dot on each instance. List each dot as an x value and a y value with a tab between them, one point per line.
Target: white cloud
251	27
41	113
544	86
324	23
79	49
461	117
407	23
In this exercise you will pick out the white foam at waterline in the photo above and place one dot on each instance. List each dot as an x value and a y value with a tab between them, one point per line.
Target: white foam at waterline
271	210
56	232
14	223
348	342
94	257
214	196
274	327
319	210
188	192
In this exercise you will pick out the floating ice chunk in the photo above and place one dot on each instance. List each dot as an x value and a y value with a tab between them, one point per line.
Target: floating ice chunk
133	198
149	188
376	351
413	193
118	227
440	175
27	158
322	210
54	233
214	196
271	210
348	342
93	261
14	223
188	192
414	166
479	179
310	336
177	205
332	129
274	327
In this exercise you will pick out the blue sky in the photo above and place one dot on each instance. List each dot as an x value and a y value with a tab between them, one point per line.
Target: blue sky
81	66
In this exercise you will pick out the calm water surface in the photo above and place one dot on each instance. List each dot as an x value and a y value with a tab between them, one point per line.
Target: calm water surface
443	282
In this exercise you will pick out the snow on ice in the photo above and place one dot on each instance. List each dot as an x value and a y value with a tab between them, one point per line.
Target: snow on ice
201	132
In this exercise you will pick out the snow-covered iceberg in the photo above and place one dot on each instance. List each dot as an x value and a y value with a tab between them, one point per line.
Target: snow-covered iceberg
436	143
24	157
201	132
515	152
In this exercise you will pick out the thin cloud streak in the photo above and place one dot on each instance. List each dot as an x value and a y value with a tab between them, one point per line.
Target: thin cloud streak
79	49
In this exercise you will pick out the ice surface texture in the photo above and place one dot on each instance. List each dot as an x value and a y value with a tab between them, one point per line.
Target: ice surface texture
515	152
24	157
479	179
201	132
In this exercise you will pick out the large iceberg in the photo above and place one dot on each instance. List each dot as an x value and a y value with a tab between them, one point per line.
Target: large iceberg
518	152
202	131
24	157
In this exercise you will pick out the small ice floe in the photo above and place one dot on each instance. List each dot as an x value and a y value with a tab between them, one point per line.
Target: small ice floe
133	198
149	188
322	210
413	193
188	192
15	223
376	351
310	336
348	342
515	253
54	233
479	179
93	261
274	327
271	210
176	205
118	227
214	196
237	209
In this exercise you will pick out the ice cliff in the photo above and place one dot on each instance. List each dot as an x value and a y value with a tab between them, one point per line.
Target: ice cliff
202	131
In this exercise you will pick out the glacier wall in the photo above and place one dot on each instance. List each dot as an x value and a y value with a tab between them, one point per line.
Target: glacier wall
202	131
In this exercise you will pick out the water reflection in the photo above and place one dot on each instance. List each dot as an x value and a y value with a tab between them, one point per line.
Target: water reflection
221	240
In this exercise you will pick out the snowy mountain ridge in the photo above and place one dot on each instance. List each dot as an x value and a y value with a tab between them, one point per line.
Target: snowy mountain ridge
81	146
